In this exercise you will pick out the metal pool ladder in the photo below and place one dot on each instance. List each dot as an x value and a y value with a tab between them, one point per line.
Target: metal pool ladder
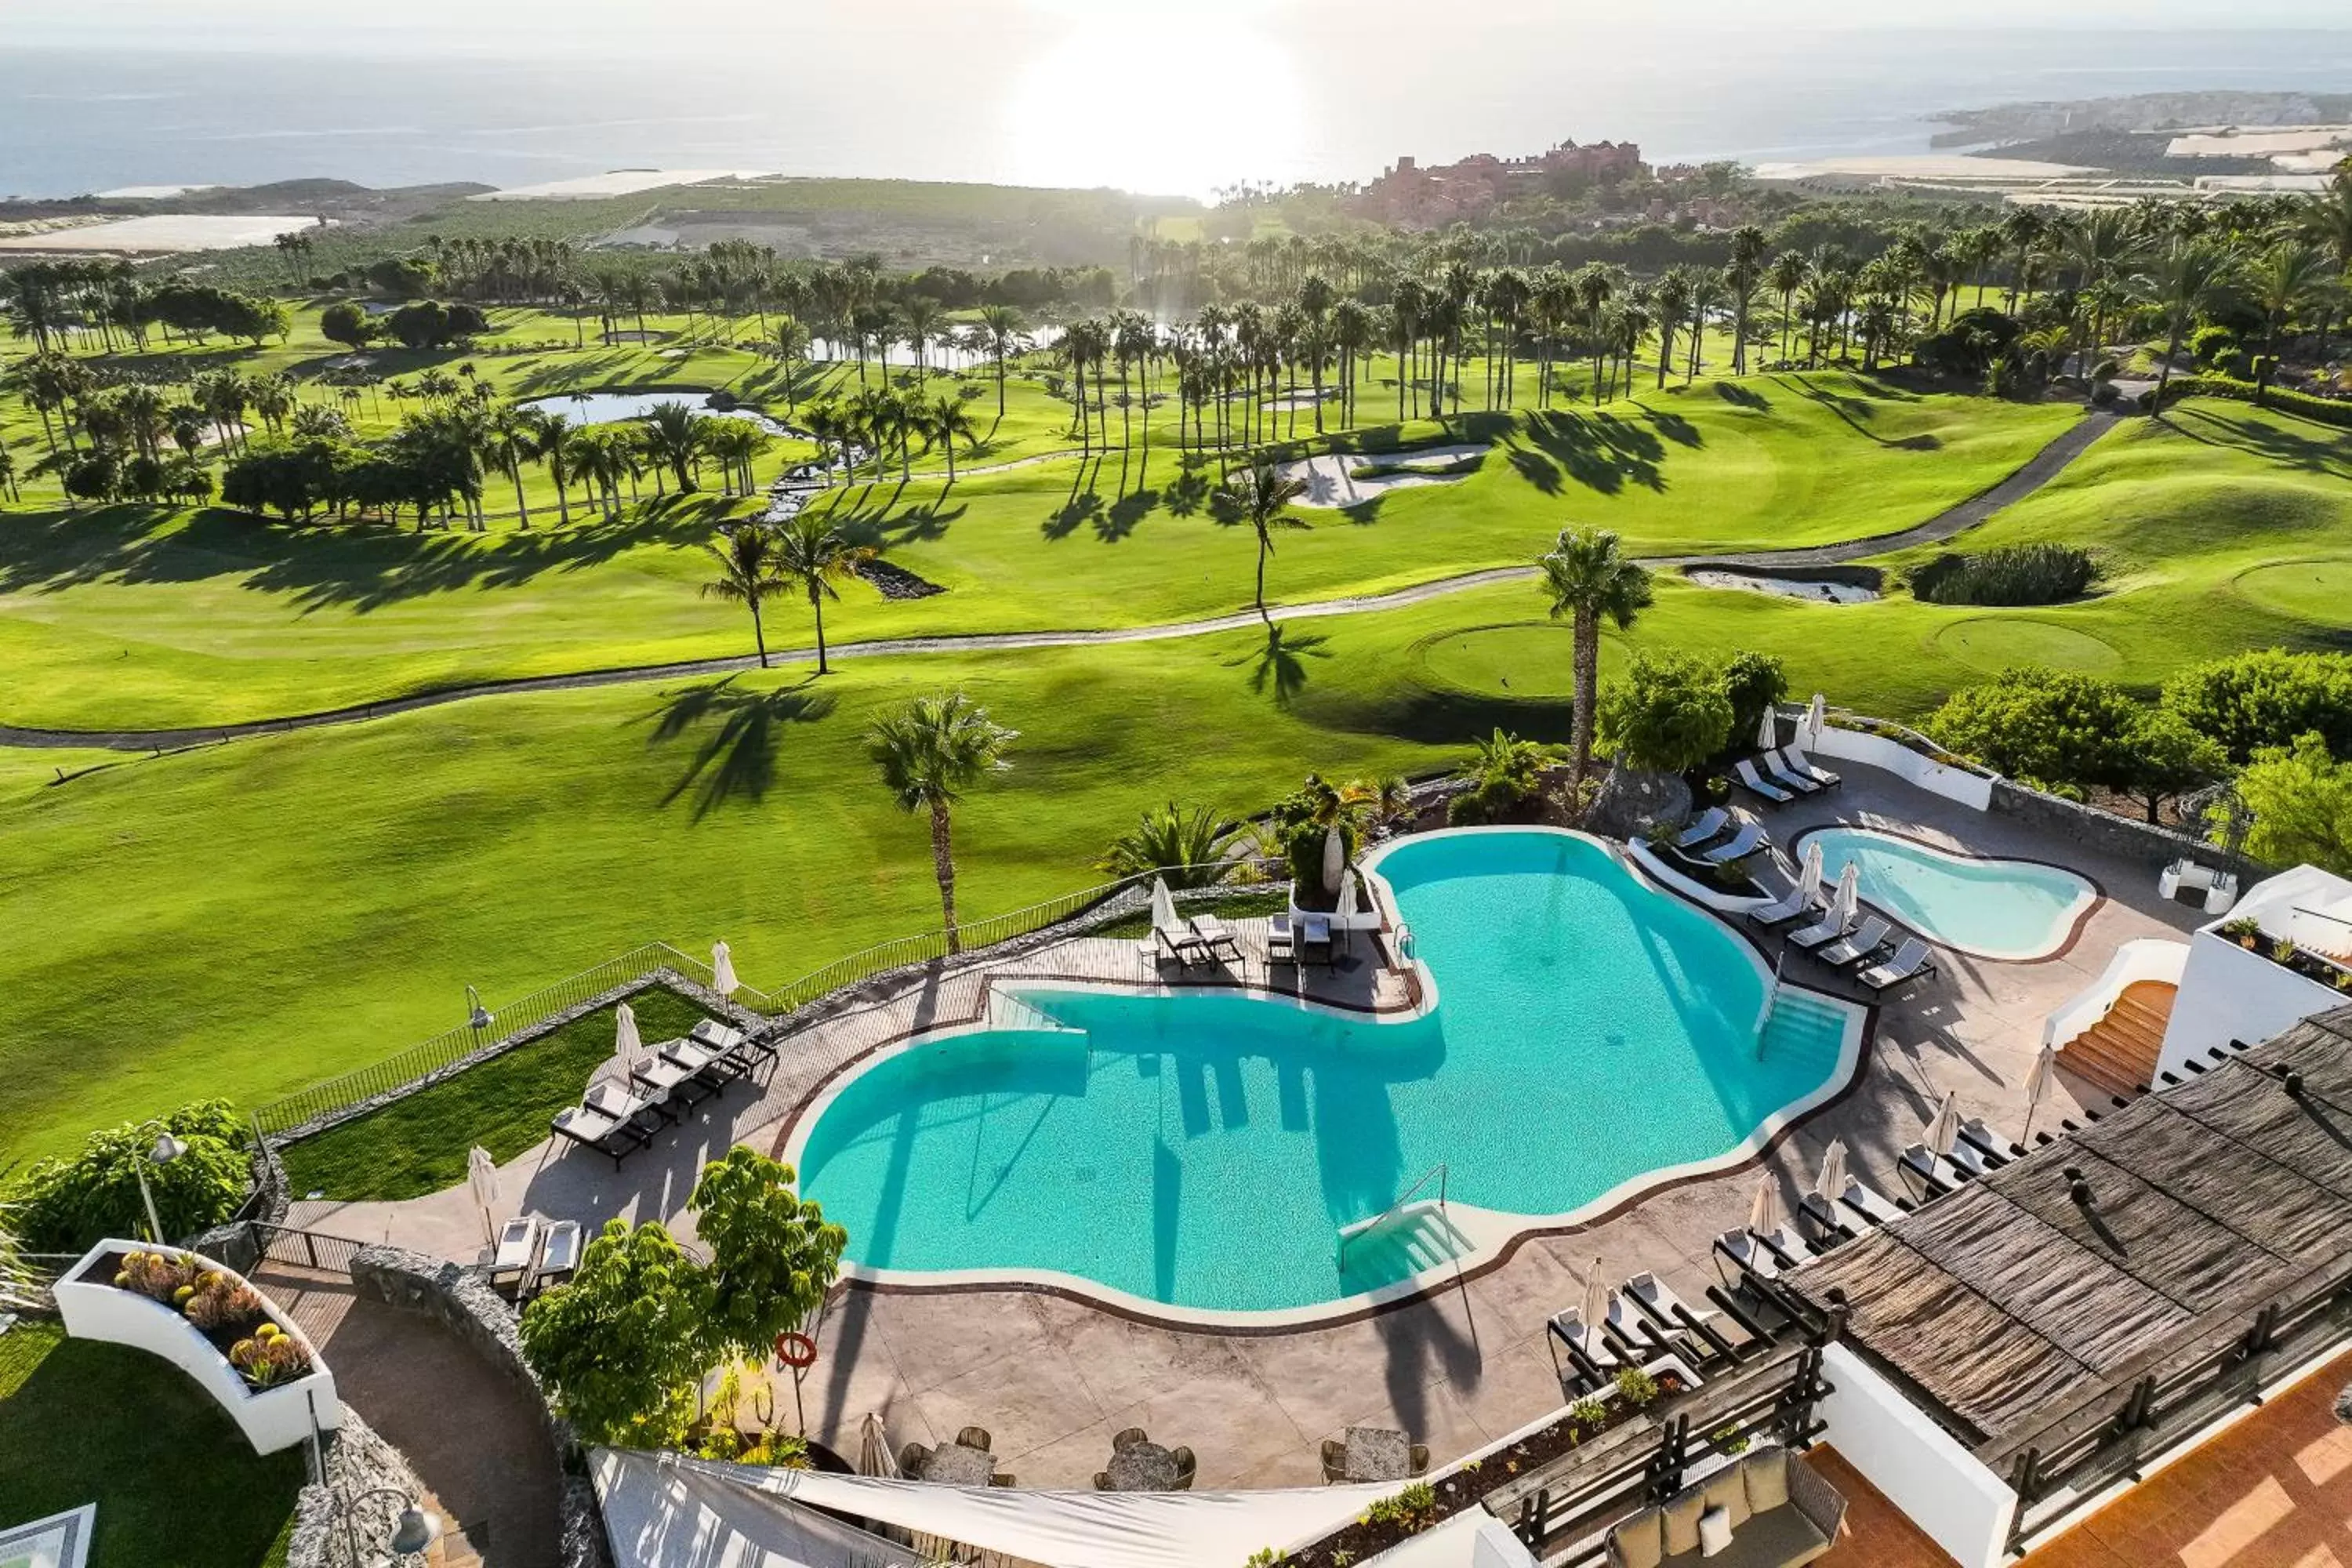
1348	1233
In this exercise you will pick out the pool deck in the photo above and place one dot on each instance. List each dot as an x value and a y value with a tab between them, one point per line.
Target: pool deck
1053	1376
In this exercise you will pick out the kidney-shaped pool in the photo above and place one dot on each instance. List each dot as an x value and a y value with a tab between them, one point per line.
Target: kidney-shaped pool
2015	911
1201	1151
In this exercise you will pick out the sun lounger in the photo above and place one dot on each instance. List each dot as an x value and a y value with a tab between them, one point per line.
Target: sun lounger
1910	961
1669	1317
714	1069
1315	937
2000	1150
664	1082
712	1035
1707	825
1177	942
1859	948
1750	840
518	1245
610	1122
1820	934
1281	945
1591	1358
1857	1209
1796	762
1928	1174
1756	783
560	1247
1765	1257
1770	762
1795	906
1213	937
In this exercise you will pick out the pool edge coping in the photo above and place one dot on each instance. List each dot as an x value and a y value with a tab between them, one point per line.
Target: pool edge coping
2078	919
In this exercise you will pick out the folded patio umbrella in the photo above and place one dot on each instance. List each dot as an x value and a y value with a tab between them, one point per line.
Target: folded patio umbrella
2037	1084
482	1180
1817	719
1832	1178
1809	881
1945	1131
1849	894
1351	893
1596	1296
626	1042
874	1454
1163	904
1768	733
723	970
1764	1213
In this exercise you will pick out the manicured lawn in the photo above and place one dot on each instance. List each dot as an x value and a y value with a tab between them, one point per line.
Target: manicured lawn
418	1145
174	1480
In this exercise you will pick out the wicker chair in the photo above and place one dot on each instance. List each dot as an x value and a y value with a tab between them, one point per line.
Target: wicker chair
1128	1439
912	1459
1187	1466
1335	1460
974	1437
1418	1457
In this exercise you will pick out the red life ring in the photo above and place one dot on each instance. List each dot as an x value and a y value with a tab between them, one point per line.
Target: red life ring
795	1349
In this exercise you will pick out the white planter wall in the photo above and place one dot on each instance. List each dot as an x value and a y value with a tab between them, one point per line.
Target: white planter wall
1971	790
2228	993
2136	962
1920	1467
270	1418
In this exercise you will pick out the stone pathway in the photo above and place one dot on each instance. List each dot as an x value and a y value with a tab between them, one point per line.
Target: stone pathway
2040	471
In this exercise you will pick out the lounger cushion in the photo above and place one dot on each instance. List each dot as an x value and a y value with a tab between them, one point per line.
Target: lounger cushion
1638	1542
1723	1490
1767	1475
1682	1524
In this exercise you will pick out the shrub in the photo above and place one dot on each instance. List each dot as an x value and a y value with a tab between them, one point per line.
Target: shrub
1754	682
1505	775
1976	341
64	1205
2323	410
159	1275
269	1357
1637	1387
2013	574
2301	801
2046	726
2208	343
2267	697
1667	714
220	1306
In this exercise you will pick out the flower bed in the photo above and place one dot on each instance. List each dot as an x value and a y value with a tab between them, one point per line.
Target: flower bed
2248	933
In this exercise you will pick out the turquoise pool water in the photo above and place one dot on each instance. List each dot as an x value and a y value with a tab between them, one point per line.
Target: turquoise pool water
1202	1149
1994	909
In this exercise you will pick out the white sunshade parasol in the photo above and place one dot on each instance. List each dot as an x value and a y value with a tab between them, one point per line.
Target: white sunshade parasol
874	1454
2037	1084
1768	733
1817	719
1764	1213
1808	880
1351	893
1945	1131
1849	895
1832	1178
1335	858
625	1041
1163	904
723	970
482	1181
1597	1295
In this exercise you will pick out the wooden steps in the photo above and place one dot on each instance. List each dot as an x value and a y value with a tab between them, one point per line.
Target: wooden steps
2118	1055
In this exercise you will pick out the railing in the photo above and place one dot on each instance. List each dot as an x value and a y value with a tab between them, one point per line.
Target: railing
2164	1413
311	1249
1348	1233
452	1045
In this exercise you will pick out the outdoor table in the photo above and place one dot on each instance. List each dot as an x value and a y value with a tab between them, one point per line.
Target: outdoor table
1142	1468
1377	1454
954	1465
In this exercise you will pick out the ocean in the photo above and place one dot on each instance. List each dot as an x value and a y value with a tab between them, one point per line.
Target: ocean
1182	113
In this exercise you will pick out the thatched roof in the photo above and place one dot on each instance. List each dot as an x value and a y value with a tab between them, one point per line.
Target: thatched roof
2017	1313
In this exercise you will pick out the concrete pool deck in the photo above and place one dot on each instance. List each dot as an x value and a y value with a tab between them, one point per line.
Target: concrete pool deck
1053	1378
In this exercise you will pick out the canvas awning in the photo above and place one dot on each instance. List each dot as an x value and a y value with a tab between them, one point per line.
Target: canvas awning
665	1511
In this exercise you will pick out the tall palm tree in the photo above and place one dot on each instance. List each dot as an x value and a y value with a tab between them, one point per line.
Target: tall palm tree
748	573
947	421
2327	218
1001	327
817	555
555	448
513	439
673	437
1748	246
929	753
2185	280
2291	277
1589	579
1785	277
791	336
1673	298
1260	498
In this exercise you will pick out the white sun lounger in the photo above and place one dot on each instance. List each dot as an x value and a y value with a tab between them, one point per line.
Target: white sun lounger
1760	1254
518	1245
1928	1173
1755	781
1800	764
1569	1326
1859	1208
558	1256
1666	1313
1750	840
1769	762
1978	1135
1704	826
1820	933
1862	944
1795	906
1215	937
1910	961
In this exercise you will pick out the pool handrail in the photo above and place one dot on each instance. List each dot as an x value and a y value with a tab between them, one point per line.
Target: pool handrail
1348	1232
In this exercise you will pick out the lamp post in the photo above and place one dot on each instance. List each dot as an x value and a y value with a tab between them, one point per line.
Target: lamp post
166	1149
477	1016
415	1530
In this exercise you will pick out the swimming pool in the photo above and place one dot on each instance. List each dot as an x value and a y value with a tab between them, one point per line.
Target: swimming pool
1584	1035
2012	909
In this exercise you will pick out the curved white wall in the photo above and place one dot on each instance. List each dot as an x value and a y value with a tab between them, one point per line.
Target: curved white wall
1971	790
270	1418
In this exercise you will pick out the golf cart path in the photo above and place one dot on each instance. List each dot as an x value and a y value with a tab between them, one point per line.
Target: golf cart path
2038	471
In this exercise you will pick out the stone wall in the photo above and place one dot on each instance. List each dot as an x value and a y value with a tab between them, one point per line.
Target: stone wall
358	1461
463	1303
2104	831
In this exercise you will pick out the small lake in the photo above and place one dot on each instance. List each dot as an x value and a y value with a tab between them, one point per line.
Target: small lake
614	407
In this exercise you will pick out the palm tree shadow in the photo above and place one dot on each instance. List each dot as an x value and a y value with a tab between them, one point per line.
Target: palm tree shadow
1279	665
1854	411
737	735
1116	525
1741	394
1073	514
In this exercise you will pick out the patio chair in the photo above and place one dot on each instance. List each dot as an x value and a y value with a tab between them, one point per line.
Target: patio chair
1927	1174
1750	840
1794	906
1821	934
1756	785
517	1245
1859	948
1176	940
714	1069
1335	1460
1804	767
1911	961
973	1437
558	1256
1187	1466
591	1128
1770	764
1215	938
913	1458
665	1081
1417	1460
1707	825
1279	946
1759	1255
1314	936
1128	1439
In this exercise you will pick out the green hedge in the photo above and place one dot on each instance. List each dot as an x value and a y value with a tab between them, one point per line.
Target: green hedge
2323	410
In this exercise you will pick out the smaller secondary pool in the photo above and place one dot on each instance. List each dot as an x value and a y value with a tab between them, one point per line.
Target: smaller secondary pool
613	407
2012	909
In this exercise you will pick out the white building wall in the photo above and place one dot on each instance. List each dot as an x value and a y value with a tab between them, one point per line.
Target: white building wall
1918	1467
2228	993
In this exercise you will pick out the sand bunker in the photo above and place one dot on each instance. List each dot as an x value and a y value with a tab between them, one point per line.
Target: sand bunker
1339	480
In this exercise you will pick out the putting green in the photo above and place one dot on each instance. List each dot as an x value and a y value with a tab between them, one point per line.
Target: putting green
2317	591
1995	643
1532	661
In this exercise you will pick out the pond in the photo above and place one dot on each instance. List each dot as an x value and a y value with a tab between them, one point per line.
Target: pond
614	407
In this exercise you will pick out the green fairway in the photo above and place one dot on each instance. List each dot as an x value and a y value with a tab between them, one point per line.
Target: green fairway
132	618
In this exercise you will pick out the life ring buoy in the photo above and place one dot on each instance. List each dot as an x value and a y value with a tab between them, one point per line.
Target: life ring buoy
796	1350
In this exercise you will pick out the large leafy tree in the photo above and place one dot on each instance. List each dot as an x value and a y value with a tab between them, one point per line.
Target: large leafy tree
625	1344
2299	798
929	754
1588	578
2046	726
2267	697
1667	714
773	1255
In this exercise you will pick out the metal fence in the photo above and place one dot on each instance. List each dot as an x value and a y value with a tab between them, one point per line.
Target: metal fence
311	1249
453	1045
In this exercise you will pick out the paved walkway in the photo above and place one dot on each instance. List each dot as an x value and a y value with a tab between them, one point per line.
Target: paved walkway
2040	471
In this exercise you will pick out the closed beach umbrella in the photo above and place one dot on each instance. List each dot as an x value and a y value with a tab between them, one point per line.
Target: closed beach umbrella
1808	880
874	1454
723	970
1945	1131
1849	894
1833	1179
1335	858
1351	893
1163	904
1764	1213
482	1180
625	1043
1596	1298
1768	733
2037	1084
1817	719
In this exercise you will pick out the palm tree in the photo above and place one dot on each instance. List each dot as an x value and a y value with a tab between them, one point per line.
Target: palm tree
1786	275
792	340
514	437
1674	301
1748	249
555	448
929	753
2185	280
1001	327
1184	844
948	421
2289	278
817	555
1588	578
749	571
2327	218
673	437
1259	499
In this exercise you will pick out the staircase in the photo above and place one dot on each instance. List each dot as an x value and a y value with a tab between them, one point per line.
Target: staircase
1803	1027
1406	1241
2118	1055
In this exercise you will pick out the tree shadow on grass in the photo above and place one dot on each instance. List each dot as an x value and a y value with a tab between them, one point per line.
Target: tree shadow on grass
2251	432
1741	395
1278	666
1599	451
737	734
1856	412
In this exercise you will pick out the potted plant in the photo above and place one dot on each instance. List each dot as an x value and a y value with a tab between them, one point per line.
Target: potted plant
2245	930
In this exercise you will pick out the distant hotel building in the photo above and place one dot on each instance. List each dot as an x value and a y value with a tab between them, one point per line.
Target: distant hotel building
1410	197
